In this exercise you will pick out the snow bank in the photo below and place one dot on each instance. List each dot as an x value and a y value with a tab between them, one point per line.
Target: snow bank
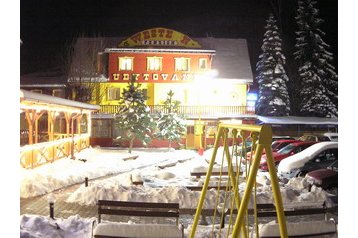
115	191
36	226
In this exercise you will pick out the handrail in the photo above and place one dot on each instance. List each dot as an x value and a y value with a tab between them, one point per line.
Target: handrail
191	110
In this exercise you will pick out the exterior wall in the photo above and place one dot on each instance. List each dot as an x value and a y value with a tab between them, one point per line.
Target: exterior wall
167	74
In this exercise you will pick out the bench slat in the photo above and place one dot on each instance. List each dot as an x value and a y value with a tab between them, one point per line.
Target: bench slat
137	204
142	213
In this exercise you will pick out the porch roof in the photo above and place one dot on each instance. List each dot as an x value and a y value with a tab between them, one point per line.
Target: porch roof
30	98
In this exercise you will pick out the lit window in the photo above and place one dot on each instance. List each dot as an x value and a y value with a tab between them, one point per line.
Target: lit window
154	63
114	93
125	63
182	64
203	63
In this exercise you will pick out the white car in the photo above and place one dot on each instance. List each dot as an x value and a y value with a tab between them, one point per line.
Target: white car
293	165
333	136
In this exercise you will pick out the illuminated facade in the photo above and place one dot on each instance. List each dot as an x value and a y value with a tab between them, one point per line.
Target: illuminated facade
209	76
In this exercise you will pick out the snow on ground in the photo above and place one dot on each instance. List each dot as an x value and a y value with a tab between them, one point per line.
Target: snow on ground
164	175
98	163
35	226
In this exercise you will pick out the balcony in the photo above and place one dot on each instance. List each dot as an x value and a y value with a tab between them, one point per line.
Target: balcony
195	112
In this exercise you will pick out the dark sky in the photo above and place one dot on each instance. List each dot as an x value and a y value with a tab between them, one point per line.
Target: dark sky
46	25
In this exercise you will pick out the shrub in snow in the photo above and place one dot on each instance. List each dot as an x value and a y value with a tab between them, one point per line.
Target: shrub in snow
170	125
134	119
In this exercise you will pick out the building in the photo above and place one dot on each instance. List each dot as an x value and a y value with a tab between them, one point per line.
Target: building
52	128
209	76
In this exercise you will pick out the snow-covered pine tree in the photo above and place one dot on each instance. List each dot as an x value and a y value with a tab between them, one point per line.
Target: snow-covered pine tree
134	119
170	124
273	98
319	82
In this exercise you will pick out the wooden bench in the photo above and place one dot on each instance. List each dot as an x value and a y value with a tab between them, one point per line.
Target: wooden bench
268	210
294	229
137	209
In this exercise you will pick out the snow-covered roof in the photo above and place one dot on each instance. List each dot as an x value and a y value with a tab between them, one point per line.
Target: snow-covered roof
47	99
299	159
231	58
298	120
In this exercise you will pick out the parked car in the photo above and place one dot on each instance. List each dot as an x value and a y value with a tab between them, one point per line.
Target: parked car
275	138
327	178
333	136
279	144
314	138
319	155
275	146
288	150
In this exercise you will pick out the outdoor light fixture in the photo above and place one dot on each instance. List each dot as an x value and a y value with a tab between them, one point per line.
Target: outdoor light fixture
51	201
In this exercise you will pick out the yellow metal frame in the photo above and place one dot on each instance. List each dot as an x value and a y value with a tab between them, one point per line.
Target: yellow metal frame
264	142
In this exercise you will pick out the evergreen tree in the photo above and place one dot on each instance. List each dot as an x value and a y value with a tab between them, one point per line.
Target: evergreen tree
319	82
170	124
273	95
134	118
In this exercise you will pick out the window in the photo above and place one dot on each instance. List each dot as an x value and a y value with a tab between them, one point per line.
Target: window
125	63
58	93
154	63
36	90
114	93
203	63
182	64
101	128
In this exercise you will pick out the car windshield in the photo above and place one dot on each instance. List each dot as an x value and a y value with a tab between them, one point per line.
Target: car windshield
275	144
287	149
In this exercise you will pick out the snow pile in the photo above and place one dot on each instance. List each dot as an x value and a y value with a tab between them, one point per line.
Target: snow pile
91	163
36	226
116	191
119	188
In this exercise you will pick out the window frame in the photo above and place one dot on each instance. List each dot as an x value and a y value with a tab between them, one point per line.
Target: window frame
176	64
200	63
61	92
36	91
149	58
121	58
109	94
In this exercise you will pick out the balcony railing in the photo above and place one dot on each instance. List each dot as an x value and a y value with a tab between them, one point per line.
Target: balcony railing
193	111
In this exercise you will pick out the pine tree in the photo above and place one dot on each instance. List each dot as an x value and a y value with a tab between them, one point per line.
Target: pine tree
170	124
134	117
319	82
273	97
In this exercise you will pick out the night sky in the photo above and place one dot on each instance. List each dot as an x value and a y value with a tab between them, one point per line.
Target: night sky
46	25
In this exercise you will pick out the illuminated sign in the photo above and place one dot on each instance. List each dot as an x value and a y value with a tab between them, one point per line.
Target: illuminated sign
251	97
160	37
159	78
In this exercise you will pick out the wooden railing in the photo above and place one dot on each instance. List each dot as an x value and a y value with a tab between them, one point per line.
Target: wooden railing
37	154
192	111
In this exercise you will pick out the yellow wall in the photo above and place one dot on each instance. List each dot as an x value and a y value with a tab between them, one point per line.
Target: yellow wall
186	93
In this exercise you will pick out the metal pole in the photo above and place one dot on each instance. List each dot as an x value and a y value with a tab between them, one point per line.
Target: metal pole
52	206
